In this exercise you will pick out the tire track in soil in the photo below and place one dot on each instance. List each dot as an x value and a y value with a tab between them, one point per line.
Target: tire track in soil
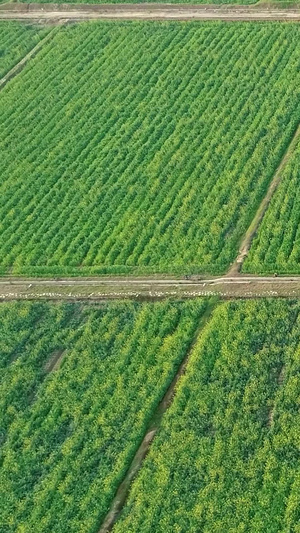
123	491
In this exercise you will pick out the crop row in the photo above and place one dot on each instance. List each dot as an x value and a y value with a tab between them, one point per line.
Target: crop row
227	455
68	436
143	147
29	333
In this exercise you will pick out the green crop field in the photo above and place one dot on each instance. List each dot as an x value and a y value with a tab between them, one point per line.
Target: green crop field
276	247
68	432
16	40
143	147
136	148
227	455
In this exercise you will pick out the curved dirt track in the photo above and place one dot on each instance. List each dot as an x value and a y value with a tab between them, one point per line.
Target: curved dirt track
58	13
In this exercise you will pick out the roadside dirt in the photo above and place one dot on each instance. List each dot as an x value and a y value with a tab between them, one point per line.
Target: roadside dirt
123	490
58	13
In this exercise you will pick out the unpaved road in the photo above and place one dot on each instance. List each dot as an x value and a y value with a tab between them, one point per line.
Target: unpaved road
168	281
58	13
98	289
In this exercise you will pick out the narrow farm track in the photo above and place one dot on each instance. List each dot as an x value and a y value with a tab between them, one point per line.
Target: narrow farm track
98	289
22	63
123	490
59	13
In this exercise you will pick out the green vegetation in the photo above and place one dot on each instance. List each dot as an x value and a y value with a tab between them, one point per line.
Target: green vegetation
16	40
143	147
227	455
276	247
79	385
68	436
29	333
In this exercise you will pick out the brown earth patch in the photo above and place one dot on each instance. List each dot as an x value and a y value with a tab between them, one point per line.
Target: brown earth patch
55	360
57	13
280	380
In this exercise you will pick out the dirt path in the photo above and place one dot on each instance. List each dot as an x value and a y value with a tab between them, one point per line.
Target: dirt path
123	490
99	289
144	281
55	360
252	230
57	13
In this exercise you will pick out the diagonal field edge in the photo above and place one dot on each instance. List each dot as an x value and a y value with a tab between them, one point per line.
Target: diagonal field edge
23	62
122	493
254	226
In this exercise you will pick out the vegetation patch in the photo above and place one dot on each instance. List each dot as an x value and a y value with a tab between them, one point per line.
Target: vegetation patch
143	147
276	247
220	461
16	40
69	436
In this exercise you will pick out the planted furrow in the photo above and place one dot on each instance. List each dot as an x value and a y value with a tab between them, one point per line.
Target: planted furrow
160	141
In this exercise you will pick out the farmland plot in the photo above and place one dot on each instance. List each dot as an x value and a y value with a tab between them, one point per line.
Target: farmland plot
227	455
29	333
143	147
15	41
69	431
276	247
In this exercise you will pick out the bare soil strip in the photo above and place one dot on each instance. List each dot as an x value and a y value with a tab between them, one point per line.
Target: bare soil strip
19	66
55	360
280	381
281	376
100	289
57	13
253	228
123	490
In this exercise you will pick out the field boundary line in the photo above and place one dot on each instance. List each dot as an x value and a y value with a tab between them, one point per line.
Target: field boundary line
251	232
51	12
12	73
149	289
122	493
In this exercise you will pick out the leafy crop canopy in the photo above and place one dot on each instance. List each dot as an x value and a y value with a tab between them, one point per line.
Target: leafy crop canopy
143	147
227	456
78	388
